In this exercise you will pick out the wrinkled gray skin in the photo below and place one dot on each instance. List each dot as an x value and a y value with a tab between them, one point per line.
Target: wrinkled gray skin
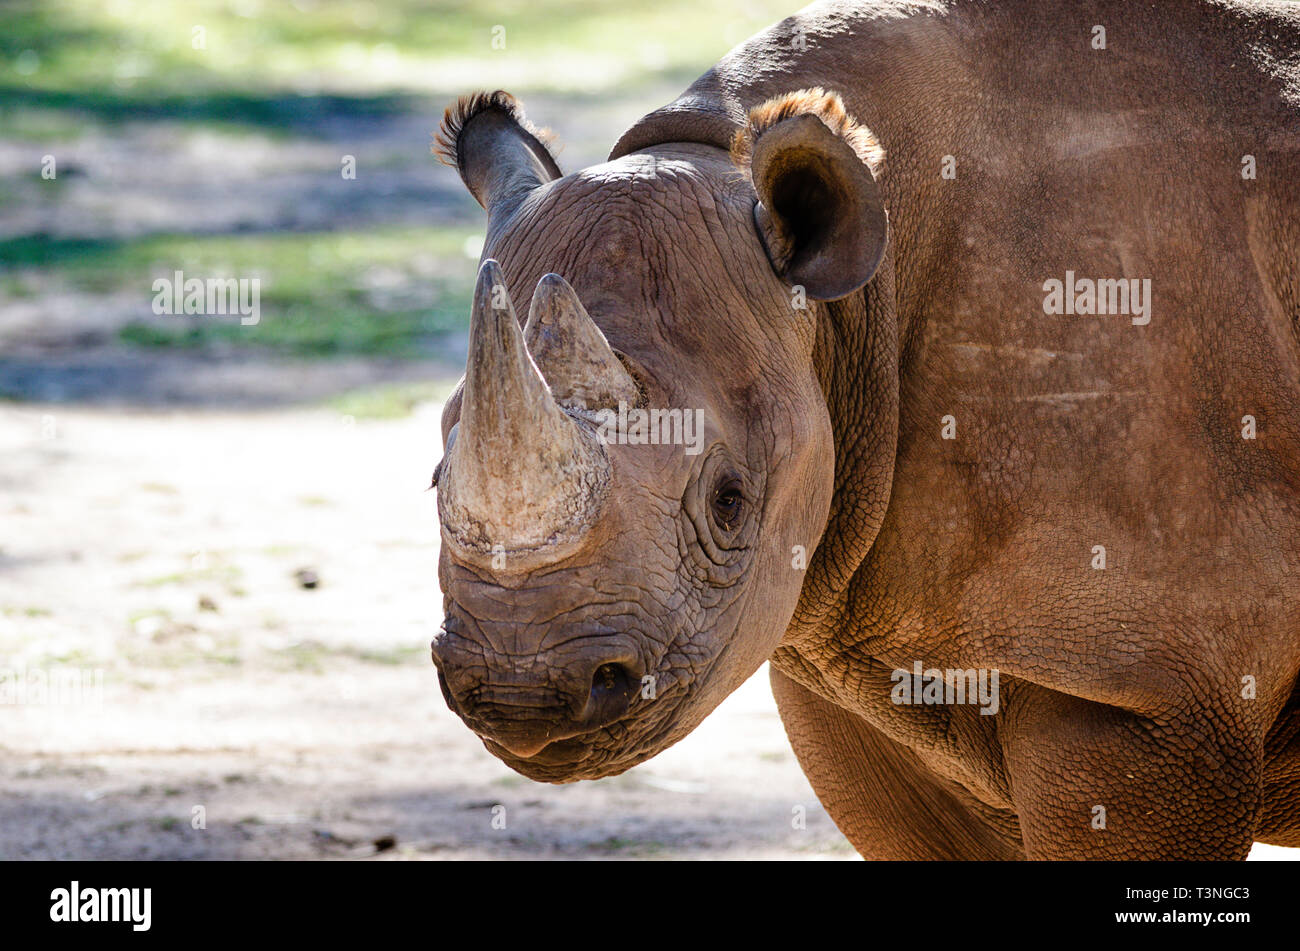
1121	688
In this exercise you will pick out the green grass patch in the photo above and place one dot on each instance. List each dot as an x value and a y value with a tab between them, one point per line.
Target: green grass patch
147	50
13	610
24	124
221	574
380	292
310	656
394	401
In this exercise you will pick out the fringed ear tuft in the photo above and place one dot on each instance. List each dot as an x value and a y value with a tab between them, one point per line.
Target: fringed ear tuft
500	155
826	106
820	212
467	107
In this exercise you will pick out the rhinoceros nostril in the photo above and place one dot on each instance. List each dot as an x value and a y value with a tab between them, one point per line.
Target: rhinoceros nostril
612	687
609	678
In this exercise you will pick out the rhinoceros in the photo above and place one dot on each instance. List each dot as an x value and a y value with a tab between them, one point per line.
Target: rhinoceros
986	316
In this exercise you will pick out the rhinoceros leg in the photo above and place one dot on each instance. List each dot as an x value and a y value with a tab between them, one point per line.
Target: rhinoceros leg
880	795
1093	781
1279	817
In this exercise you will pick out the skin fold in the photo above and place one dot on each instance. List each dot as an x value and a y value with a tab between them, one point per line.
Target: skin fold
734	253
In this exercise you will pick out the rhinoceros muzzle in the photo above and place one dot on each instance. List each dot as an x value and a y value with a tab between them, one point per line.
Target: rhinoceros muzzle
525	473
524	703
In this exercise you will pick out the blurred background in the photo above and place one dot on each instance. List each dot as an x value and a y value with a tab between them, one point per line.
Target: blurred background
221	531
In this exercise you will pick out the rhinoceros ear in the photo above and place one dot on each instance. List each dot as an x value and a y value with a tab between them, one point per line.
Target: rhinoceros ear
500	155
820	212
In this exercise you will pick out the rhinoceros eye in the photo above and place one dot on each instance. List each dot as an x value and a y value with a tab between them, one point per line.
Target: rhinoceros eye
727	503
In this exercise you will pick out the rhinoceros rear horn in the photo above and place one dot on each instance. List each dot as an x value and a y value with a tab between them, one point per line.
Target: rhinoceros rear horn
820	213
520	476
575	358
500	155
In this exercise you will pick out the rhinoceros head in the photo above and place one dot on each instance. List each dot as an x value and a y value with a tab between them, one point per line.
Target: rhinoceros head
634	476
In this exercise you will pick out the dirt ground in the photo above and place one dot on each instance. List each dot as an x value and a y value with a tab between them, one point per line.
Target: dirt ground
170	550
167	550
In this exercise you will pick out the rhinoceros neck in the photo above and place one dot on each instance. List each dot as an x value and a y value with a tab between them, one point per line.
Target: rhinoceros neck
698	118
904	69
865	51
1067	152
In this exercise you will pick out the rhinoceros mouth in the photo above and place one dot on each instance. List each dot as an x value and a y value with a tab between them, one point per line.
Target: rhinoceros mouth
542	740
588	756
572	751
592	753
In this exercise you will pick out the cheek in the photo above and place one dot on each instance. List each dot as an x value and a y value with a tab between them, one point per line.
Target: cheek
800	487
796	509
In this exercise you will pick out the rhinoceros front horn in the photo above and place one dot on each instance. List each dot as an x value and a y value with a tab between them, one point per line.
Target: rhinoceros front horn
520	476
